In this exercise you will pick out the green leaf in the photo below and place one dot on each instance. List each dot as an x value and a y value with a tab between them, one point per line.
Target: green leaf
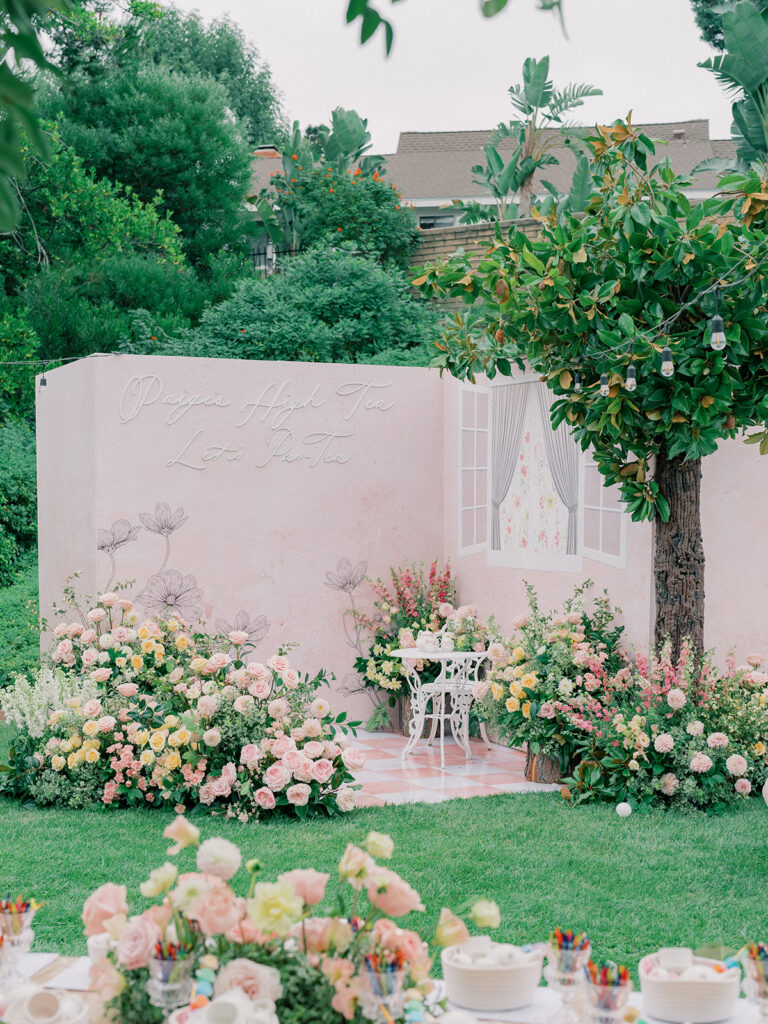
492	7
533	261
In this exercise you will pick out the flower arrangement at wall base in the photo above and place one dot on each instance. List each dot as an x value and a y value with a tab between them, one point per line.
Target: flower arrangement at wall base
163	714
272	952
645	730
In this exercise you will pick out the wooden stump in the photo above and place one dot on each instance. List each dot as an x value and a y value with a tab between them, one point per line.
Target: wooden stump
540	768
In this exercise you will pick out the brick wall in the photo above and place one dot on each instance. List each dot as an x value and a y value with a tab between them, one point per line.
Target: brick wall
437	243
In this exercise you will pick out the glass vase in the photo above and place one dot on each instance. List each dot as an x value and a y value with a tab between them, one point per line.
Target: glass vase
606	1003
170	982
755	984
565	974
383	995
17	941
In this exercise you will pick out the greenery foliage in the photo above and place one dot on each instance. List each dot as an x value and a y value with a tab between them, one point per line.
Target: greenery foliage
18	510
19	623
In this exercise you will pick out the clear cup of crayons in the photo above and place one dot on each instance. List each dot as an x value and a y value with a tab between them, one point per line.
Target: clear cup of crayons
170	976
16	931
755	984
567	955
608	990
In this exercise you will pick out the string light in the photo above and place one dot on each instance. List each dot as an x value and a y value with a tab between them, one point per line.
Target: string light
667	366
716	325
43	381
631	382
577	382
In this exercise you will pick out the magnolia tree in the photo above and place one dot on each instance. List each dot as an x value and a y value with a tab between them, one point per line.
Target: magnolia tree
622	259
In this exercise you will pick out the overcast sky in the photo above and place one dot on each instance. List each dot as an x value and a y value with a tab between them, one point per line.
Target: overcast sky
450	67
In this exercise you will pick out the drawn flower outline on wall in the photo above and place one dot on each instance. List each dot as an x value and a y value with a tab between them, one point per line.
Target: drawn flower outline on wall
164	522
174	592
109	541
256	628
347	577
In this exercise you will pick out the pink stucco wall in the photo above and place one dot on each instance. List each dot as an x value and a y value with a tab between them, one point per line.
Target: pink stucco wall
283	468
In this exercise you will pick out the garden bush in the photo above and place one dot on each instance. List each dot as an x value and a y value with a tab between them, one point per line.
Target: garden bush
18	506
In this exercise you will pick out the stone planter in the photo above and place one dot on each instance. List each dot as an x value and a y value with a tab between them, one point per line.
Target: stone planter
540	768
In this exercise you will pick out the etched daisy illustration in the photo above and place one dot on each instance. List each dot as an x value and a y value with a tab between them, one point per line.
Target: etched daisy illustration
172	592
347	576
109	541
164	522
256	628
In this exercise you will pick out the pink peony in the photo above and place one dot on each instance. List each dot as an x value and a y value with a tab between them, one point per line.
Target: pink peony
312	727
743	786
701	763
695	728
664	743
391	894
282	745
676	698
445	609
277	777
216	911
313	749
108	901
260	690
299	794
137	943
257	980
243	704
669	784
322	770
250	755
717	740
278	708
313	935
736	765
265	798
127	689
307	883
353	759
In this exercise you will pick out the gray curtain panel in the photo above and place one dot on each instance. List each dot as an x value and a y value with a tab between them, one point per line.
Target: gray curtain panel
508	416
563	456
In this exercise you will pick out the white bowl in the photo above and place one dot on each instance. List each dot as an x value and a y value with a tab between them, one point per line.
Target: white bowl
44	1007
697	1001
488	986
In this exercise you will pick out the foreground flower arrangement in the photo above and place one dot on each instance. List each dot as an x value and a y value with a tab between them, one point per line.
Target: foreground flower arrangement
646	730
160	713
273	950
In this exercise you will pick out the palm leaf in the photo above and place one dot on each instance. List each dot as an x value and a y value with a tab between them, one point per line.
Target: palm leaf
569	98
720	165
746	42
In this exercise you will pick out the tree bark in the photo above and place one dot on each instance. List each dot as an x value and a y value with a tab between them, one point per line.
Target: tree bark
679	554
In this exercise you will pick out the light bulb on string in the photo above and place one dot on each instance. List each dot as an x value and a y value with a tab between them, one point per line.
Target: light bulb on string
667	366
631	382
577	381
717	337
605	388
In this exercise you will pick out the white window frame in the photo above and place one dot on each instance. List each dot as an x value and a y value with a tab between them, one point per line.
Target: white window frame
475	548
618	561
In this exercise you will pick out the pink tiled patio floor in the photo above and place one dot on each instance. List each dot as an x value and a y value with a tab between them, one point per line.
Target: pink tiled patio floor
388	778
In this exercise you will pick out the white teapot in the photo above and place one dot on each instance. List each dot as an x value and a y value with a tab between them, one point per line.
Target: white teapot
235	1007
427	641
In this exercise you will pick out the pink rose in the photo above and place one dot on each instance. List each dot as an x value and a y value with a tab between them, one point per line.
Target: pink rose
259	672
277	777
63	650
294	759
755	660
250	755
243	703
212	737
220	787
303	772
88	636
97	615
207	705
257	980
90	657
265	798
61	629
312	727
307	883
353	759
217	911
238	637
137	943
101	675
106	979
125	605
121	634
282	745
290	678
391	894
279	708
547	710
322	770
743	786
278	663
106	723
91	708
331	750
108	600
246	931
313	749
299	794
260	690
127	689
445	609
316	931
206	794
736	765
106	902
176	675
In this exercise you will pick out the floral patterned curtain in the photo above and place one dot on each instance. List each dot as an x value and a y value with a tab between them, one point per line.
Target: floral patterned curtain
508	416
563	458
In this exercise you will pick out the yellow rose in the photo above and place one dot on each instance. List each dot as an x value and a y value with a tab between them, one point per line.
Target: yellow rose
160	880
171	721
518	672
157	741
137	662
497	691
526	709
143	633
274	907
182	642
72	760
530	679
178	738
57	762
198	663
142	737
173	760
760	748
146	757
74	702
159	650
148	646
171	625
518	654
516	689
91	727
66	746
513	704
76	742
90	745
56	716
120	662
91	756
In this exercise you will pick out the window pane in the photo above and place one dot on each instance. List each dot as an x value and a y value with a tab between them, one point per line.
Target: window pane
612	533
467	528
467	408
482	448
482	410
592	528
468	448
481	483
481	525
467	488
611	498
593	483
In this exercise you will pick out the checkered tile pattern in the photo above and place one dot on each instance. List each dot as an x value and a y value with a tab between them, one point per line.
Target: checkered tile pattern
390	778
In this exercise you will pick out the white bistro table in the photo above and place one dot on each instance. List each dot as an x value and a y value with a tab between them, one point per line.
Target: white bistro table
459	672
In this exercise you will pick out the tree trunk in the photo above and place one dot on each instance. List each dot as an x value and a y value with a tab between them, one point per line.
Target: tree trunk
679	554
540	768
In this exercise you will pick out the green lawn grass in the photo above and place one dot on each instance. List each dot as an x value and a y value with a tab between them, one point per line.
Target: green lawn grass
634	884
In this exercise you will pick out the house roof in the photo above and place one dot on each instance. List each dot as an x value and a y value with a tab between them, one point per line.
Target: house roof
438	165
